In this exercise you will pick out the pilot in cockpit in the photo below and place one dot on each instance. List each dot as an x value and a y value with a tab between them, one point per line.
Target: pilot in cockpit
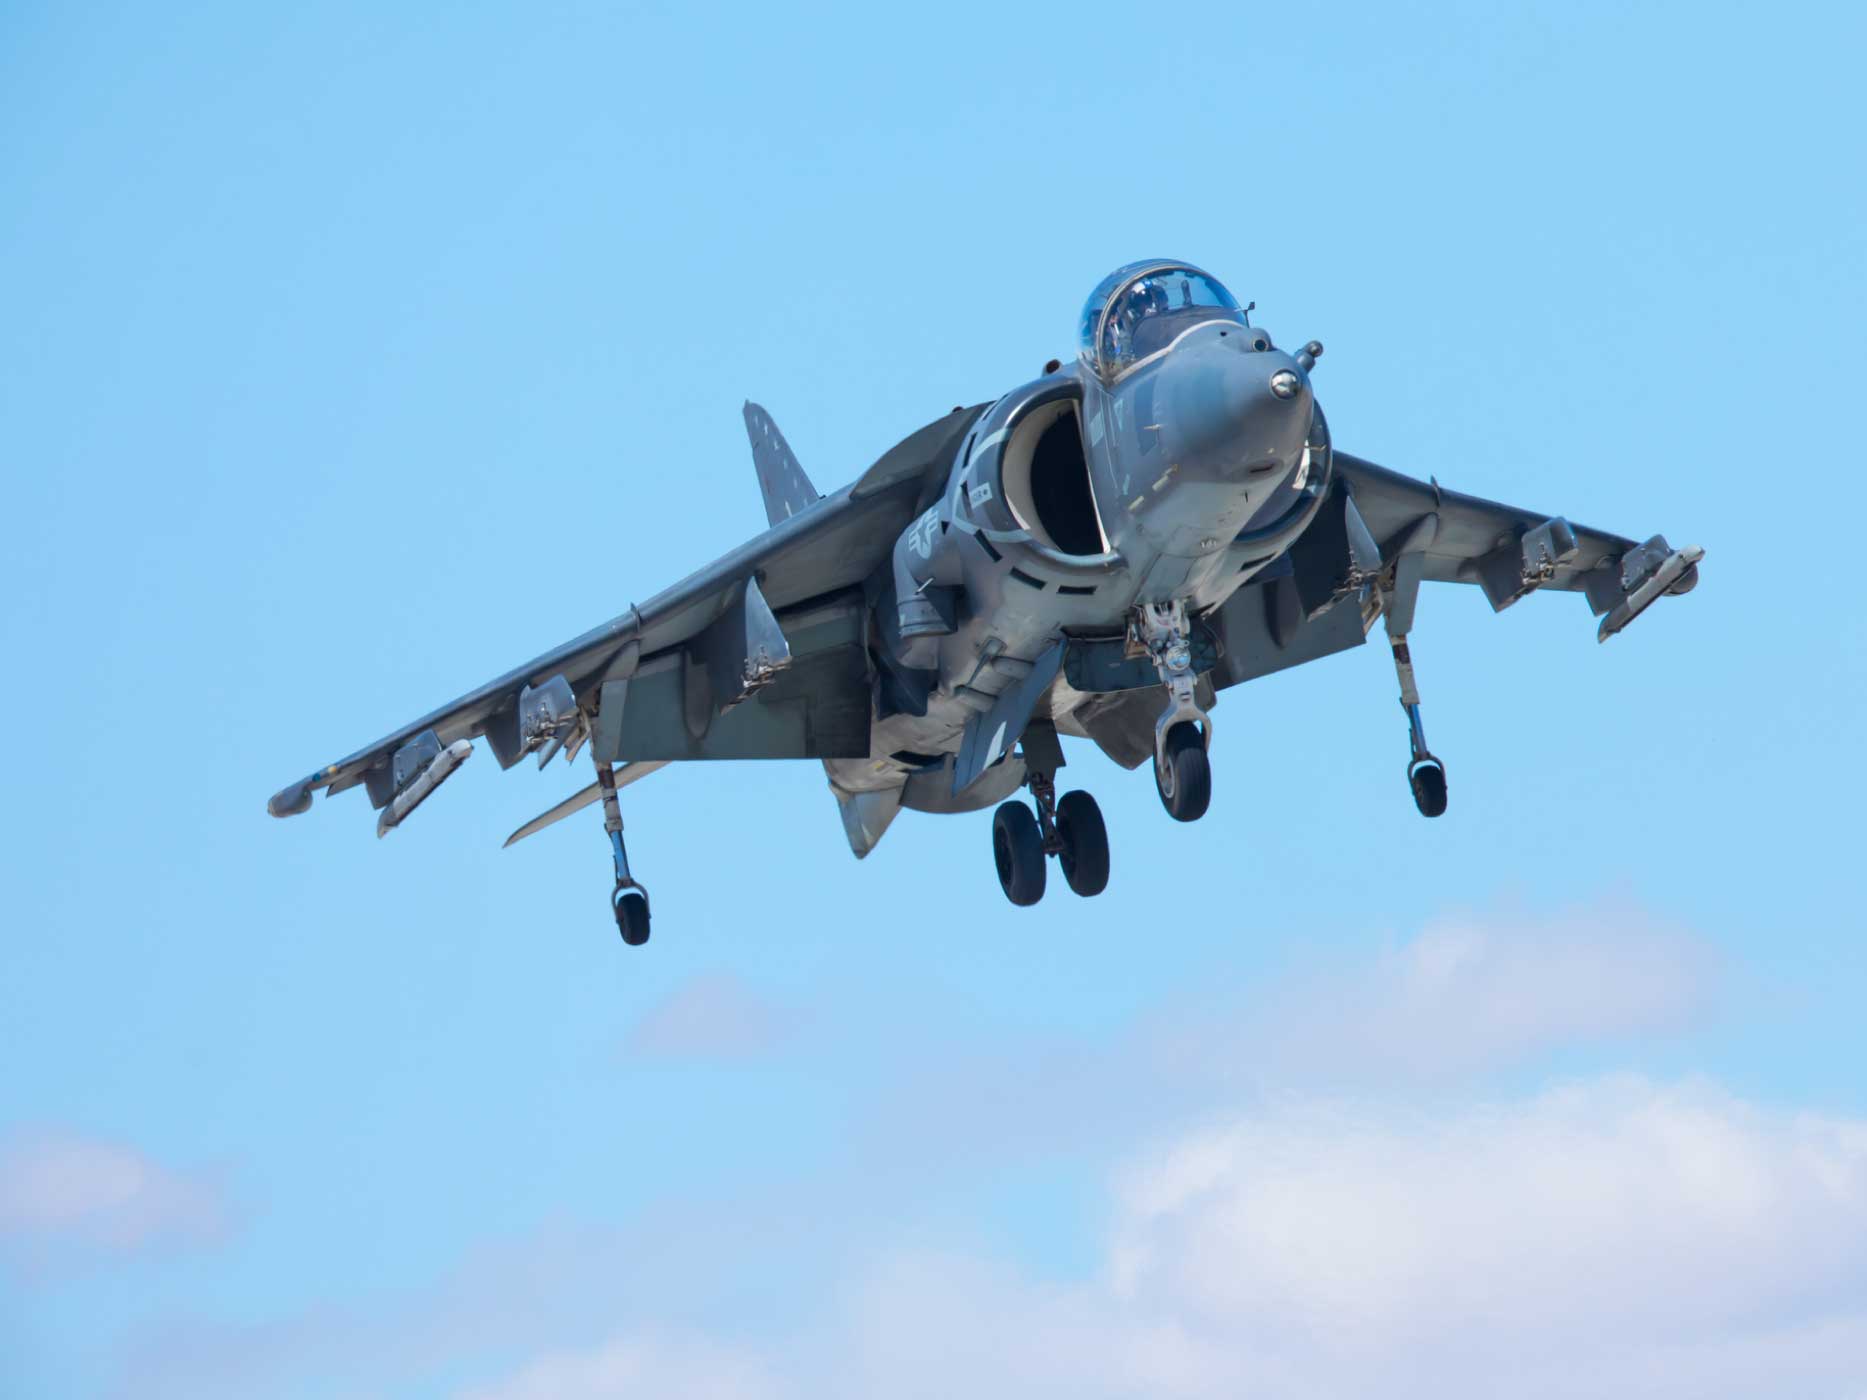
1154	308
1155	322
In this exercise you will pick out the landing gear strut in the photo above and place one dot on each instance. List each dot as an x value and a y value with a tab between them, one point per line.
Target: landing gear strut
1070	828
1426	775
629	900
1183	734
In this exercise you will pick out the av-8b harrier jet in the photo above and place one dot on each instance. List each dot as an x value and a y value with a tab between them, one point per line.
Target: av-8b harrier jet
1097	554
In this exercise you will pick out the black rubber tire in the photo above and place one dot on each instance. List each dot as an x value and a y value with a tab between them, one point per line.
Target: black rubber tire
1085	853
1191	791
1427	778
632	917
1018	849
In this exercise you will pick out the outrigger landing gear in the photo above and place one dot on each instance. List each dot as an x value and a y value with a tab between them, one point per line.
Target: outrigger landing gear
1183	734
1070	828
1426	775
629	901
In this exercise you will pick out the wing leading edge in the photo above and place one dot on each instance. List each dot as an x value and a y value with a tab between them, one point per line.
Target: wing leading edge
546	704
1510	552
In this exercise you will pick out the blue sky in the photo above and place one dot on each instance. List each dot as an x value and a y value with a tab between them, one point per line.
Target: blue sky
349	357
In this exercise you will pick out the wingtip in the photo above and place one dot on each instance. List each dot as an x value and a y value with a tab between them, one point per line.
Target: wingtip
290	801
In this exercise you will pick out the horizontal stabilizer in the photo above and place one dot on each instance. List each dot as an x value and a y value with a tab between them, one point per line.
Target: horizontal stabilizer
781	478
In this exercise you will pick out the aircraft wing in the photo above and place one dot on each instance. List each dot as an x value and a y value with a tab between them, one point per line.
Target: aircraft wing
760	622
1510	552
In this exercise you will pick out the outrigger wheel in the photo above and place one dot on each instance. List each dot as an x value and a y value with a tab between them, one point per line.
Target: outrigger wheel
631	905
1184	779
1427	778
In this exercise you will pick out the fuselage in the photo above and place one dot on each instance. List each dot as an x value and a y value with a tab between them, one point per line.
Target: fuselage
1069	502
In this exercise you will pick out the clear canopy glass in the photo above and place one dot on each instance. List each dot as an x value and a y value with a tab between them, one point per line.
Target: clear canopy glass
1139	309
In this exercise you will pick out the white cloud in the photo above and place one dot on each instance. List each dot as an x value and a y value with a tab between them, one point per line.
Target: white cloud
1613	1211
1613	1237
1478	991
1471	996
935	1325
713	1016
1341	1199
649	1367
60	1192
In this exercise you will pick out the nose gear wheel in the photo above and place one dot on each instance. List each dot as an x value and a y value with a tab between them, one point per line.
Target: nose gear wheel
1184	778
1183	734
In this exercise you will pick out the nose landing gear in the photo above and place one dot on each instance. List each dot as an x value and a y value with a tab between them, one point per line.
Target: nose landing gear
1071	829
1183	734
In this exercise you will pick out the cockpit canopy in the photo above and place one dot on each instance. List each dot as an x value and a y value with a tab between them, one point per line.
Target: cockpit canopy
1143	307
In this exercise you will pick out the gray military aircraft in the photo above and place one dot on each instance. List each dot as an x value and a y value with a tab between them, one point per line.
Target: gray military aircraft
1098	553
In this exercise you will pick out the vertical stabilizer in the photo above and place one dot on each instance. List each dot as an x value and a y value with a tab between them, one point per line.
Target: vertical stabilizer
780	479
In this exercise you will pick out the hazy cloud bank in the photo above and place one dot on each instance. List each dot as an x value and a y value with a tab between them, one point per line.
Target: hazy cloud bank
1610	1237
1325	1187
65	1197
1472	997
715	1016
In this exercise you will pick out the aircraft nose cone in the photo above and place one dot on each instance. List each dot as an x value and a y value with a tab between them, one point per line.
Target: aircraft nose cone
1233	410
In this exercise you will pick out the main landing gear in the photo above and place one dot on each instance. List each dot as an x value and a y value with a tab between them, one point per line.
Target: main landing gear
629	901
1426	775
1183	735
1070	828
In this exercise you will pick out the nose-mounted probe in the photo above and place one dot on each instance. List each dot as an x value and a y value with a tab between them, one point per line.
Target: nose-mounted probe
1284	384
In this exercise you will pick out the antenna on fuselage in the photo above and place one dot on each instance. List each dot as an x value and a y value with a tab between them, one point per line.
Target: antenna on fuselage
1248	310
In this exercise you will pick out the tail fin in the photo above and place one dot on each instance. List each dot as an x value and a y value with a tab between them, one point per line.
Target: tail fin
781	480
